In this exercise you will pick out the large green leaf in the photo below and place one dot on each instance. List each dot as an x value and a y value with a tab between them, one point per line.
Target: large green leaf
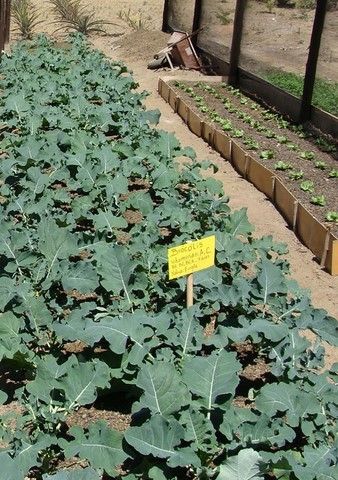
212	377
101	446
164	391
132	329
187	334
8	291
28	454
321	323
271	280
199	430
287	398
37	313
78	474
318	463
109	222
116	269
55	243
10	470
160	438
80	276
264	431
82	381
246	465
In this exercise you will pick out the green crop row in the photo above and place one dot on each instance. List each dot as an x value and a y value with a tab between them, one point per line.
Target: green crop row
91	197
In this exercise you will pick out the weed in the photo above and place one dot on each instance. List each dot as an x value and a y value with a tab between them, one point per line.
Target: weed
270	5
74	16
223	16
325	95
134	20
26	17
306	4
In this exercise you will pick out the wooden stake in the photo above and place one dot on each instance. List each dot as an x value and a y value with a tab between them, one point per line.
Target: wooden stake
190	290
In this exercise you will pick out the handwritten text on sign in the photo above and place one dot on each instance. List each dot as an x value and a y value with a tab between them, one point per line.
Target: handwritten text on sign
191	257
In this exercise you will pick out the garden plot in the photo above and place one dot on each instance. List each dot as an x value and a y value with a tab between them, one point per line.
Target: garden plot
291	158
91	199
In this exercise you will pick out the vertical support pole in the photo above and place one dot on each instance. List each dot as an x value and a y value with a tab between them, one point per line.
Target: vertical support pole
196	24
311	65
2	25
8	20
165	16
190	290
236	41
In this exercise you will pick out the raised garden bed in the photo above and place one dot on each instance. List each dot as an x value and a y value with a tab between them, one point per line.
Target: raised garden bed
295	169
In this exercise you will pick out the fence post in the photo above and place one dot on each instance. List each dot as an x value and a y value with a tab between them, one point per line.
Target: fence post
311	65
2	26
7	20
236	41
196	20
165	16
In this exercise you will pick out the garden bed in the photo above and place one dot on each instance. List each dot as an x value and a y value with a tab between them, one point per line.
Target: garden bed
104	372
297	170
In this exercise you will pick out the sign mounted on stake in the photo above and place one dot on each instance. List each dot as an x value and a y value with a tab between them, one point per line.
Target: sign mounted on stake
191	257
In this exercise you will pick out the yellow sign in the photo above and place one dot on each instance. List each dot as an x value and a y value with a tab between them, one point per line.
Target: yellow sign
191	257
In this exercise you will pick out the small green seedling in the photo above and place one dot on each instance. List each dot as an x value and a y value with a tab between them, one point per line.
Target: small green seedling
320	165
251	143
325	145
333	173
292	147
307	155
318	200
238	133
283	166
270	134
307	186
332	216
297	175
267	154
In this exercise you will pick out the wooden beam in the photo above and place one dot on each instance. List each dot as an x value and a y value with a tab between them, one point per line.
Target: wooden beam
7	21
165	16
311	66
196	24
236	41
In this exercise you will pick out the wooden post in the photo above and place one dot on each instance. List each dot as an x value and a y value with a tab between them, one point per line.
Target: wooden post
2	25
190	290
8	21
311	66
165	16
196	20
236	41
